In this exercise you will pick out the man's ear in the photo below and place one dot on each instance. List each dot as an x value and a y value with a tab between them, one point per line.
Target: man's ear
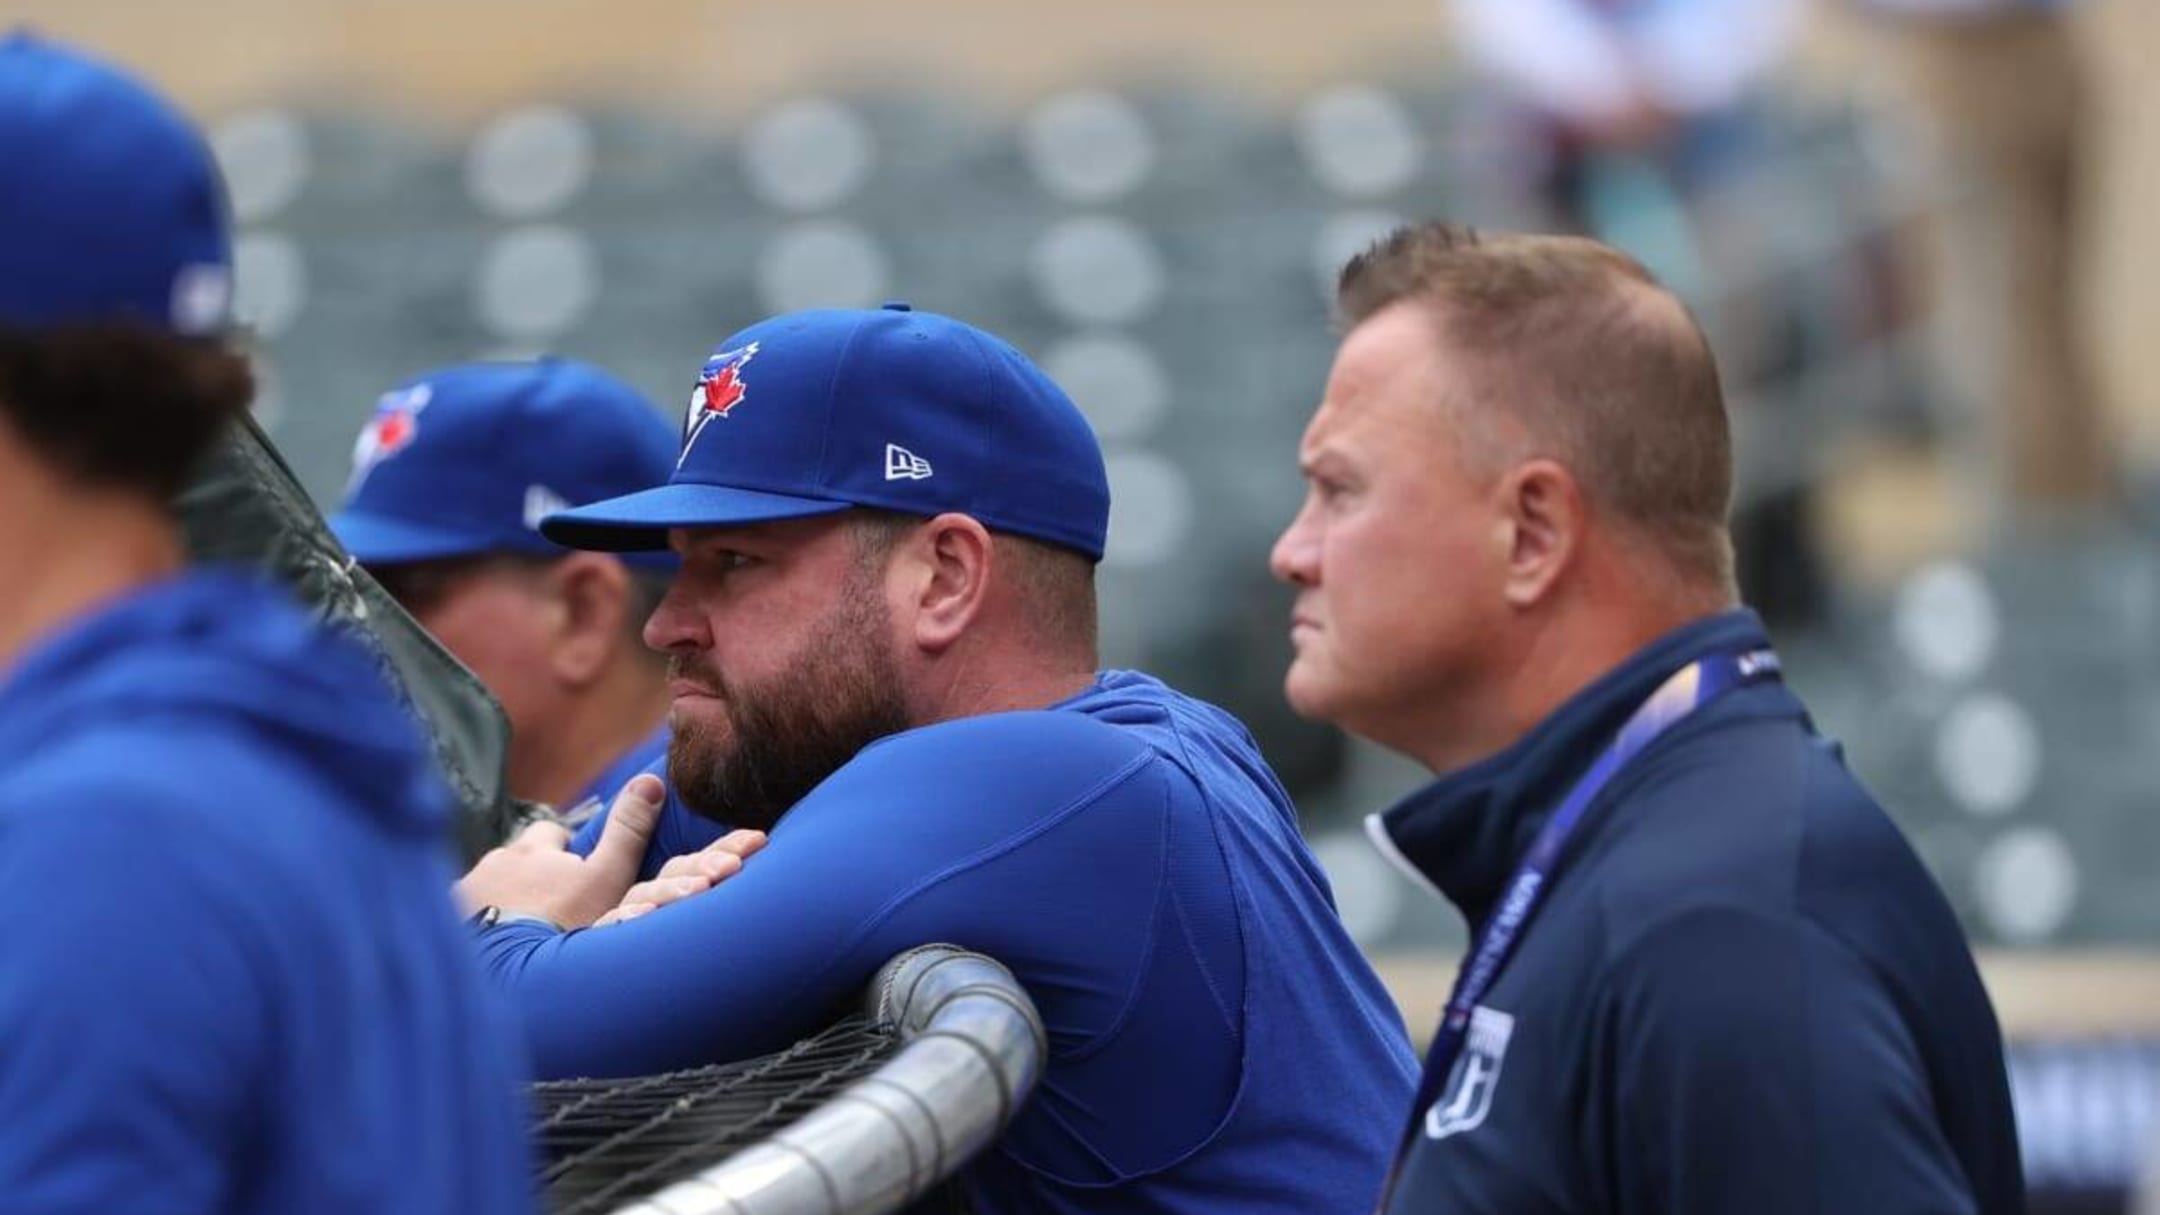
952	556
589	598
1542	507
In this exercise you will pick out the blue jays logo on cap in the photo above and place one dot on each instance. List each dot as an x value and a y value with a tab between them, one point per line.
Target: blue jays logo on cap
390	431
720	387
467	460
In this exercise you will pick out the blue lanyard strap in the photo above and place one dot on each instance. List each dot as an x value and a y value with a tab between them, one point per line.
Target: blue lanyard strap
1689	689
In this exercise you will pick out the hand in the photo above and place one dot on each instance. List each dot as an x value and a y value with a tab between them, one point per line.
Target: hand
688	874
535	874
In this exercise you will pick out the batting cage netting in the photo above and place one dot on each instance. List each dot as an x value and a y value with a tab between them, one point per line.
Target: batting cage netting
244	506
865	1117
605	1142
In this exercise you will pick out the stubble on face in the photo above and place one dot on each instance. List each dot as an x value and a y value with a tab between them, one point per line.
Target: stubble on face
785	734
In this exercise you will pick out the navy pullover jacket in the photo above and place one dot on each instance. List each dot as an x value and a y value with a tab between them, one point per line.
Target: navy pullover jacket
1742	992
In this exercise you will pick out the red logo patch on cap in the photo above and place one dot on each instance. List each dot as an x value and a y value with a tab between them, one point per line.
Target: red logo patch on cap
393	431
393	428
720	388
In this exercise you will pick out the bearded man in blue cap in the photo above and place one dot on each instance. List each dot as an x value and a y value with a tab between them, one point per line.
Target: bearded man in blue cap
230	980
882	647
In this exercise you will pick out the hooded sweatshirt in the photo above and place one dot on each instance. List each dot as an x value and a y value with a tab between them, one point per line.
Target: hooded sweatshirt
1217	1043
230	976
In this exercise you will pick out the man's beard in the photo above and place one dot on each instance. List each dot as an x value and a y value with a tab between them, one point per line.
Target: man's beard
841	694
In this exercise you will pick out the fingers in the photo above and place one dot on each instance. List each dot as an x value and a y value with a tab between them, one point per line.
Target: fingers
717	860
738	843
669	888
682	877
630	822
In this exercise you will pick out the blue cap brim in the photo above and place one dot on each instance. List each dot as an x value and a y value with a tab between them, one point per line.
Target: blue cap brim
639	522
381	540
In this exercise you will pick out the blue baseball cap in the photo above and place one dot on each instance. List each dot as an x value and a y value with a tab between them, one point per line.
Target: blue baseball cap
467	460
810	413
112	208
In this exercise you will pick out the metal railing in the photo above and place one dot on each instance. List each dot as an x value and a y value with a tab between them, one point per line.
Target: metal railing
971	1050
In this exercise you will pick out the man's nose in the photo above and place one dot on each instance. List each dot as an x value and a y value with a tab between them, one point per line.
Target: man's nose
676	623
1295	557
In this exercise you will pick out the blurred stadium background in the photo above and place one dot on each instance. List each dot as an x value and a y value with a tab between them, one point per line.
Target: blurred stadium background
1152	198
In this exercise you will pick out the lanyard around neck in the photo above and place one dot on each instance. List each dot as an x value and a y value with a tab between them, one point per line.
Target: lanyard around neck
1689	689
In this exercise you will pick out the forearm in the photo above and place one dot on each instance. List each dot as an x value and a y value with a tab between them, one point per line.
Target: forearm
689	985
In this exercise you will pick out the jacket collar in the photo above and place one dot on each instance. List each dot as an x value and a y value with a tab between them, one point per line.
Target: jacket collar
1463	833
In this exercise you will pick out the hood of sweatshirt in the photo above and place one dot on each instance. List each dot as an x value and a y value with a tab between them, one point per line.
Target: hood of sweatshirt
220	646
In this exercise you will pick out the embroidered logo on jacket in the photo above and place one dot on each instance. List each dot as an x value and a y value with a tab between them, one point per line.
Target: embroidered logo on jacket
1468	1096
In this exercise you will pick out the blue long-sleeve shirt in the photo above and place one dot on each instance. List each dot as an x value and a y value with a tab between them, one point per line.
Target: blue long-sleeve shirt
1217	1042
1740	993
231	979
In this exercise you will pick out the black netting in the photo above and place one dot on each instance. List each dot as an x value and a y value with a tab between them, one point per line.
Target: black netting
606	1142
243	506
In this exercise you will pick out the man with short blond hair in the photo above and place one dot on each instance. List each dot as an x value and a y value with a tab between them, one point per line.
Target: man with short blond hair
1597	365
1708	975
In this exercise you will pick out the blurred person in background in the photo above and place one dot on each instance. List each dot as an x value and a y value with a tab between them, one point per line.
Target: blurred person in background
1707	973
1577	82
2002	97
231	978
450	480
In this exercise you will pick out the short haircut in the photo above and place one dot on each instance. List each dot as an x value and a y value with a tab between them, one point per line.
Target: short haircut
1602	368
1056	584
120	405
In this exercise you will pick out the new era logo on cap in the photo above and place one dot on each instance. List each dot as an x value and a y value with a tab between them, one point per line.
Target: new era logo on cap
540	502
201	298
904	465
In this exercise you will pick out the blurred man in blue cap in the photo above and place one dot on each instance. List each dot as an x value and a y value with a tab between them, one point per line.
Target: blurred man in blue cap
451	478
882	646
231	980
